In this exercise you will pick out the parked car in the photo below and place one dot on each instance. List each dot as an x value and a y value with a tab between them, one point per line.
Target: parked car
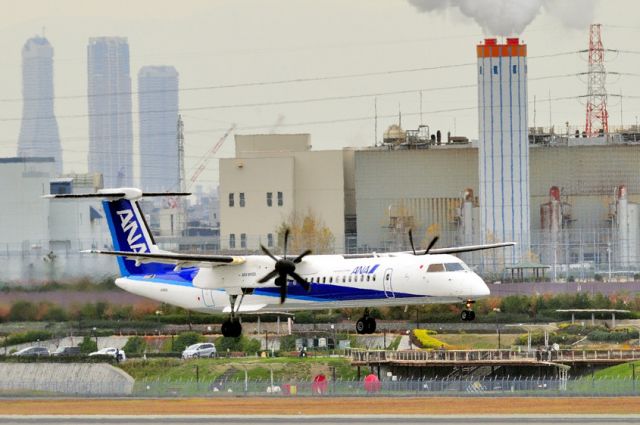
66	351
116	353
32	351
201	349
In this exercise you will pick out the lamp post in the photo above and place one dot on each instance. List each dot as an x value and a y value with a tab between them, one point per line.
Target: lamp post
496	311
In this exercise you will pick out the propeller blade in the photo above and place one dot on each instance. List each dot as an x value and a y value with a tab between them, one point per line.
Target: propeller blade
266	251
283	292
301	256
433	242
286	240
269	276
301	281
413	248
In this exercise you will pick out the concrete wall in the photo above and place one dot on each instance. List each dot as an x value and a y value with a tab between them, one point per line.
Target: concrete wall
65	378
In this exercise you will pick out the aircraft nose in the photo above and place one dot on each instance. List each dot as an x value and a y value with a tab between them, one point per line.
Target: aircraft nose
480	288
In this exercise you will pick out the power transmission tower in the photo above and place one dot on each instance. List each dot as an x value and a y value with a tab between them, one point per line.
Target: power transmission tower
597	115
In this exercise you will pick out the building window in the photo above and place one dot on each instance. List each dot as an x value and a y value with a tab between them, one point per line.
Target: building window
232	240
280	199
241	199
515	68
231	200
243	240
495	69
480	70
270	240
269	199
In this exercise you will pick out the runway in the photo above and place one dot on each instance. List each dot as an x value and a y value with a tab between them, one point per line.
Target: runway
321	419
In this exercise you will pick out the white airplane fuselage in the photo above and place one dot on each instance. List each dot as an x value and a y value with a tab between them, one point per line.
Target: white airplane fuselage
336	281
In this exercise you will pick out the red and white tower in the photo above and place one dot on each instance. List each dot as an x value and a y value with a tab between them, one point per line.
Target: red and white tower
597	115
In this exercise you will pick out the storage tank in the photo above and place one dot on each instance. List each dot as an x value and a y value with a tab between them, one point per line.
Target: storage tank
503	145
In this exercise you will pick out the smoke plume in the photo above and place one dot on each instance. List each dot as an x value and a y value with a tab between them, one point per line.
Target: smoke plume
511	17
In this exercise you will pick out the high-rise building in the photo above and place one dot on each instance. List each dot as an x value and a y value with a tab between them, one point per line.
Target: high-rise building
110	125
503	145
39	135
158	111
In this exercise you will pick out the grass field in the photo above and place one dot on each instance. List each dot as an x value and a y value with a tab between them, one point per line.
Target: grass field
284	368
477	341
325	406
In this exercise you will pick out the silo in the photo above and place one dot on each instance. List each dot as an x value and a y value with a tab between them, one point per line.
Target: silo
503	145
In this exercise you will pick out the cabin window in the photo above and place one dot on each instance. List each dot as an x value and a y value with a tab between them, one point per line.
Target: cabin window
480	70
453	267
331	279
349	279
435	268
344	279
515	69
495	69
361	278
368	278
373	277
324	279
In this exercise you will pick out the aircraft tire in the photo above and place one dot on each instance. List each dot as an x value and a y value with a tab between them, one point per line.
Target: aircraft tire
370	325
472	315
231	328
464	315
361	326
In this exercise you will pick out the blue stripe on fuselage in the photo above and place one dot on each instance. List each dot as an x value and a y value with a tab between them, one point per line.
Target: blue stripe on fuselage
320	292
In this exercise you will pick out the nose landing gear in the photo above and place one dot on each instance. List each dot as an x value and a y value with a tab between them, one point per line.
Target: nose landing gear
468	314
366	324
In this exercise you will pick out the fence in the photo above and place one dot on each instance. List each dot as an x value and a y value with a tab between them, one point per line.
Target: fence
510	386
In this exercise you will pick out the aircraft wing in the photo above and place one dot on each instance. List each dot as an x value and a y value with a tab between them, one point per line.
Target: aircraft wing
173	258
469	248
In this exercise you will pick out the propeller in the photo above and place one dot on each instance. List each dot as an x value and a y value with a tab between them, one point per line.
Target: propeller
285	267
431	244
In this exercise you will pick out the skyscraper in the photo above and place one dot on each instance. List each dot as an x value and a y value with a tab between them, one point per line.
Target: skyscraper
158	108
39	135
110	126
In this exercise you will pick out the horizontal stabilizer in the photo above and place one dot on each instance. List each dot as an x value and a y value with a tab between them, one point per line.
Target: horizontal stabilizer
119	193
172	257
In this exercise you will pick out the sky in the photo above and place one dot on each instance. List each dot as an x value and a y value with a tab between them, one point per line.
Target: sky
253	43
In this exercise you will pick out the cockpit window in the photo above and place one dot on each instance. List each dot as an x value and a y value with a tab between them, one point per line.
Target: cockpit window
454	267
435	268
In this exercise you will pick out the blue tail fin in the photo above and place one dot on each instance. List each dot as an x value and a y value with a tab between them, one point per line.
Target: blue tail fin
129	232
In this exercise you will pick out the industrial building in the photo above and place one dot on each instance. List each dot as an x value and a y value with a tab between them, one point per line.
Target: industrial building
275	180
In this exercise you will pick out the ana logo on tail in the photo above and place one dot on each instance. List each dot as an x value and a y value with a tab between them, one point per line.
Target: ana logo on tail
130	228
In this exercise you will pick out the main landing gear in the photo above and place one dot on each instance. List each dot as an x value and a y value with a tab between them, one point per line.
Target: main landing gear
468	314
232	328
366	324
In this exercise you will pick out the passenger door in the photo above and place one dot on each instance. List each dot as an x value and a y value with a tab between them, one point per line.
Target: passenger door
386	283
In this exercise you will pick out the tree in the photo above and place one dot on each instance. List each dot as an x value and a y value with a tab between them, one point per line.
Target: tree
306	232
88	345
22	311
135	345
186	339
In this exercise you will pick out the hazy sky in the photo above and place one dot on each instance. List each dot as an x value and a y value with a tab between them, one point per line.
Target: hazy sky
213	43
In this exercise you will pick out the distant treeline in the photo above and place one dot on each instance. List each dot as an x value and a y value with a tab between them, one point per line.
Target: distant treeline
514	308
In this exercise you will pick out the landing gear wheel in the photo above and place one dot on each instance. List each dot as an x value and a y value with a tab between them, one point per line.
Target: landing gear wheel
370	325
361	326
231	328
467	315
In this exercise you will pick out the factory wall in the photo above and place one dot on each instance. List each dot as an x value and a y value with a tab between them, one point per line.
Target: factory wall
423	182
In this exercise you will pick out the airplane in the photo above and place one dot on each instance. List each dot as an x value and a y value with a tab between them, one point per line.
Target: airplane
257	284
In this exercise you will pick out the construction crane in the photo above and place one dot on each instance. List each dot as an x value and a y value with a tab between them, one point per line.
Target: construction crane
207	157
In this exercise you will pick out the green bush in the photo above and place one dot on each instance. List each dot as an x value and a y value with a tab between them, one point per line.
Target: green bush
23	311
615	336
186	339
88	345
425	339
243	344
30	336
288	343
135	345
